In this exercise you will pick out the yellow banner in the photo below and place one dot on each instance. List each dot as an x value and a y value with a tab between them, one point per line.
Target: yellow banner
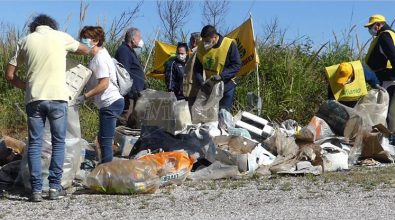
163	52
244	37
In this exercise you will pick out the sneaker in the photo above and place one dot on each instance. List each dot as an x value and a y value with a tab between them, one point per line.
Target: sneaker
55	194
36	197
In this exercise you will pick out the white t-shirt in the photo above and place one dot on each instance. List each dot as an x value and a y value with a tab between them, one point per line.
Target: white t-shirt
102	66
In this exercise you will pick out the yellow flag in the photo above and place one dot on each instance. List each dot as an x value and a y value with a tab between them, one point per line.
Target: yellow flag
163	52
244	37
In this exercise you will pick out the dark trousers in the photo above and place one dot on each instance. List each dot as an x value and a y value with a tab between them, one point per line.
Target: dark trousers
107	122
227	100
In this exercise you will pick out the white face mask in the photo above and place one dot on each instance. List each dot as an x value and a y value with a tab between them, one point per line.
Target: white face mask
372	31
208	45
182	57
140	44
87	42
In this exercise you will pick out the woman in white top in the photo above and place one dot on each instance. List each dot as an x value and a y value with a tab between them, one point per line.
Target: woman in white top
101	87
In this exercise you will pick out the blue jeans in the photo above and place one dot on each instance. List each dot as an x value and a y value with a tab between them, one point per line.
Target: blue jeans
107	122
227	100
38	112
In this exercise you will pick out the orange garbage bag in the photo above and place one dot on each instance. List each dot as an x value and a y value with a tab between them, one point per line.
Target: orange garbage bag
174	167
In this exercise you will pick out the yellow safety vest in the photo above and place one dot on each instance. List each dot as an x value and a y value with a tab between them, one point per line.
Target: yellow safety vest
351	91
213	59
373	45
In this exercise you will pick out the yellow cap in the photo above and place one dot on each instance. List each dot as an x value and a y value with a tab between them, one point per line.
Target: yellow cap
375	18
343	73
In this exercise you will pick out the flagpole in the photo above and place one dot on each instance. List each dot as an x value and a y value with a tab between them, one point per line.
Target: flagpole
256	64
151	49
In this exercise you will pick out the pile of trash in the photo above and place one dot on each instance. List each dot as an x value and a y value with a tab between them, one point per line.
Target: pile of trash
172	143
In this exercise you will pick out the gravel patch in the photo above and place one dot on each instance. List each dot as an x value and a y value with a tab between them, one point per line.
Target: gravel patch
256	198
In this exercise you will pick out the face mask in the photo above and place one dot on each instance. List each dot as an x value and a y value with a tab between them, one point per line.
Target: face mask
182	57
208	45
372	31
87	42
140	44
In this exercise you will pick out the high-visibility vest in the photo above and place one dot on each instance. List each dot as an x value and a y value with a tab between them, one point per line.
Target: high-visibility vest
373	45
213	59
351	91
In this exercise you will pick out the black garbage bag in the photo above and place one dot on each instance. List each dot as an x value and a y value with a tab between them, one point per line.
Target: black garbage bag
344	121
9	173
154	138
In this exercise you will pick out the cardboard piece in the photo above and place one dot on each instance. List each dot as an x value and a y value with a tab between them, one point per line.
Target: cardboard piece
247	154
302	168
375	145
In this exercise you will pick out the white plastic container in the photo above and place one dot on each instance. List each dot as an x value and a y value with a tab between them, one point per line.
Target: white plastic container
77	76
264	129
125	138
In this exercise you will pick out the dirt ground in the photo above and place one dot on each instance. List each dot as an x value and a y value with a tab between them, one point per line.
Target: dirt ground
362	193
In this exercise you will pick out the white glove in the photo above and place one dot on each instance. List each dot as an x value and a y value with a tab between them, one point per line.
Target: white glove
80	100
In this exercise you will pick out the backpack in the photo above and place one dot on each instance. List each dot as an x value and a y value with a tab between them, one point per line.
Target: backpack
124	82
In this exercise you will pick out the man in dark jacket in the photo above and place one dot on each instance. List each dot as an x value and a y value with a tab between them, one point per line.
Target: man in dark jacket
175	70
381	54
381	59
219	57
129	59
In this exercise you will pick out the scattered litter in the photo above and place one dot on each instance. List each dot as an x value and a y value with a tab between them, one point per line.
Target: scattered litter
215	171
369	162
257	126
290	127
303	168
248	155
124	140
334	158
317	129
10	149
226	123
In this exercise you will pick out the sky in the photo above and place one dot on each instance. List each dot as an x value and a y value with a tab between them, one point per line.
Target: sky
317	20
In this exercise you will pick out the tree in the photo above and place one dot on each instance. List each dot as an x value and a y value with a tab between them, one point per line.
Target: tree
173	15
121	23
214	12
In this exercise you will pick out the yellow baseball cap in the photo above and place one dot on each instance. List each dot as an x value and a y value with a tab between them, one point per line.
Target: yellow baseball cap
375	18
343	73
